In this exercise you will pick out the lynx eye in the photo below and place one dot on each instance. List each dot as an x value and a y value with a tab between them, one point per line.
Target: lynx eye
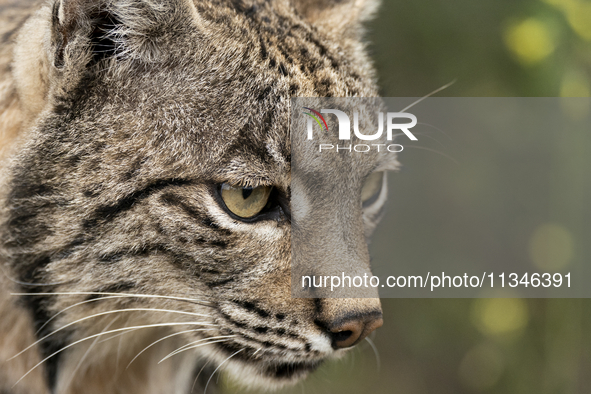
371	188
245	202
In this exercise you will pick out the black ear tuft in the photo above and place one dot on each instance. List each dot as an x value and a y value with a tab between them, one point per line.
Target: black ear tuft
102	39
87	19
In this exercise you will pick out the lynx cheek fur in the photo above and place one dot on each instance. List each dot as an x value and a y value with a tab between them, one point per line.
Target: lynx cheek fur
120	119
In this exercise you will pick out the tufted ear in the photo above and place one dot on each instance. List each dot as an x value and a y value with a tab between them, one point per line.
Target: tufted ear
60	43
64	36
141	29
338	16
82	30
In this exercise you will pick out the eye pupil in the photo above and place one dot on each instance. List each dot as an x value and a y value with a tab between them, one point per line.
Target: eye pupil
245	202
246	192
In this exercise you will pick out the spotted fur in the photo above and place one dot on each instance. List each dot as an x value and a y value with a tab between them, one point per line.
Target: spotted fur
118	119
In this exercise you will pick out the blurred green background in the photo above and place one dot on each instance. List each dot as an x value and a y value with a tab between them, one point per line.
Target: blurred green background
493	48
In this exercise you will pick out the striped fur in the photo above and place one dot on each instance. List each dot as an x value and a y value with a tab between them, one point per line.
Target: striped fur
118	118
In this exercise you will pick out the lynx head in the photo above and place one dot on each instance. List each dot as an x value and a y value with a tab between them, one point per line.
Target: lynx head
153	187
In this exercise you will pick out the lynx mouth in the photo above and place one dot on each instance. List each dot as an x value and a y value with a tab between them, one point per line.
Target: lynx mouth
291	370
279	371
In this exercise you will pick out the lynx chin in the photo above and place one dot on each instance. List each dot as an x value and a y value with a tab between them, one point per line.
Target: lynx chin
146	188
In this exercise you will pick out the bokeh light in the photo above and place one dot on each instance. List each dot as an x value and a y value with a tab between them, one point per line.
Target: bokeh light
551	247
578	14
497	316
530	41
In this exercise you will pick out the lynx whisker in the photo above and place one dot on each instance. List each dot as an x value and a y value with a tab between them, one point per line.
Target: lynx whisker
105	314
219	366
186	346
436	129
193	300
89	301
70	307
116	336
197	346
120	344
427	135
160	340
199	374
429	95
349	359
191	345
422	134
376	353
98	335
87	352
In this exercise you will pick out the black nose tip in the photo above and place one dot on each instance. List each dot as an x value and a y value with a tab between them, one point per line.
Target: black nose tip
350	331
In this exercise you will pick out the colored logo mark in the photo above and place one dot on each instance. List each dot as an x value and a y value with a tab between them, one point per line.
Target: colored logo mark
316	115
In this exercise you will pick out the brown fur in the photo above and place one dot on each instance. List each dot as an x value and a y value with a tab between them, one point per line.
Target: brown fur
119	118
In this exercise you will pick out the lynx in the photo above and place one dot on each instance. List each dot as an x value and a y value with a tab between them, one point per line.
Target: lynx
145	213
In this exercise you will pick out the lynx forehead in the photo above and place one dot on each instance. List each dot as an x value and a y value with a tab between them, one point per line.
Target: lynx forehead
145	200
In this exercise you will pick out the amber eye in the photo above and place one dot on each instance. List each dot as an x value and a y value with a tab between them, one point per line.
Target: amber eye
245	202
372	187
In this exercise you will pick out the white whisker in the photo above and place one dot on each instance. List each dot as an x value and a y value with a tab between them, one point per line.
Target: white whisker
70	307
200	345
375	351
193	345
83	358
119	345
116	336
160	340
98	335
85	302
197	377
108	313
219	366
193	300
436	129
429	95
422	134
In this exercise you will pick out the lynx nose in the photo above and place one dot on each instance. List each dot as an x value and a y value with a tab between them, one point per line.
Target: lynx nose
353	330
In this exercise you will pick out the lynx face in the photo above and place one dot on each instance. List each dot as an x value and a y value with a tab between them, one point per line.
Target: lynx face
151	195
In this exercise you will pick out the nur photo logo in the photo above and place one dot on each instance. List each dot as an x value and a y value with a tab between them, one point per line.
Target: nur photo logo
395	123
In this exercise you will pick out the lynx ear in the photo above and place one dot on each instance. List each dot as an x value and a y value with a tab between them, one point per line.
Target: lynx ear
63	36
81	28
338	16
